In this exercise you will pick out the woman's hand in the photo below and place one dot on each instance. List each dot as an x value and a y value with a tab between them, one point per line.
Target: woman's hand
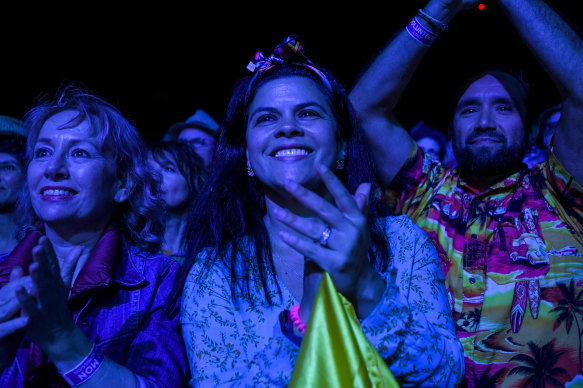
10	323
343	252
50	324
9	307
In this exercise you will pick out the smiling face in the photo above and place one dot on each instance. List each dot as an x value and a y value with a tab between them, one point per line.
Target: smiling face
72	182
290	130
488	131
175	191
11	180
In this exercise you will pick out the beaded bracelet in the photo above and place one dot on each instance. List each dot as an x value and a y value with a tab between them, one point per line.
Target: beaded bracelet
433	22
420	33
85	369
294	314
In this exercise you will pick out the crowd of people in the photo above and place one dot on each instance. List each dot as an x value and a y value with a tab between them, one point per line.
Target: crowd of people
197	260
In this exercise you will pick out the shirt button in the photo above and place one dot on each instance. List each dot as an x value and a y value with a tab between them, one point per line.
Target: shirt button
472	280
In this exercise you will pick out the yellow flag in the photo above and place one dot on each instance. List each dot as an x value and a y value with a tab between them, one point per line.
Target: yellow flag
334	351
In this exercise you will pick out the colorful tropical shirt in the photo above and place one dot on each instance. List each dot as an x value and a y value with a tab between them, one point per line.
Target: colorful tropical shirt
513	261
241	343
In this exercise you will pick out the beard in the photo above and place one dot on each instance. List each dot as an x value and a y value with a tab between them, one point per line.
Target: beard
487	162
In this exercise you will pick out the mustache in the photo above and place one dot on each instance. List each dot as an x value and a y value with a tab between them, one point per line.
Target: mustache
493	135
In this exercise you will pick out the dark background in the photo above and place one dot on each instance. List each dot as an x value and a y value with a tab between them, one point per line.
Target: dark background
158	63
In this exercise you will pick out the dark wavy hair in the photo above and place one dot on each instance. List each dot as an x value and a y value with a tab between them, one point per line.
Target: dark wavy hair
190	165
141	216
228	215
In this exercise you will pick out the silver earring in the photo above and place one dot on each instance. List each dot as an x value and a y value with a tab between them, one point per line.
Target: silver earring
250	171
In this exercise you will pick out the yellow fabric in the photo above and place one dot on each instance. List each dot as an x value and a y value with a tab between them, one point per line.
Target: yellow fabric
334	351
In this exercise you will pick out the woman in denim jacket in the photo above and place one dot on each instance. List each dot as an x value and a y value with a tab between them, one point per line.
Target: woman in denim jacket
84	300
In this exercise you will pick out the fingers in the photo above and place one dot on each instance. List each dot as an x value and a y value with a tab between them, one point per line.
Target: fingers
27	303
8	302
305	246
16	273
361	197
341	195
323	209
335	216
45	257
309	227
9	327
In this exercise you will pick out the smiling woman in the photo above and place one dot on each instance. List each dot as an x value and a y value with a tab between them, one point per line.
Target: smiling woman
92	296
287	199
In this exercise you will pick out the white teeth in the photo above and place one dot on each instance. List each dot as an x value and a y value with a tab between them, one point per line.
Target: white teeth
57	192
291	152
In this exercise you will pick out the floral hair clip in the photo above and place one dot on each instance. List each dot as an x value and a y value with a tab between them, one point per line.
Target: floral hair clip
289	51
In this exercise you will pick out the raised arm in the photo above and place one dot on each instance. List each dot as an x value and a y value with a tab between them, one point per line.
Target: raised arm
559	50
380	87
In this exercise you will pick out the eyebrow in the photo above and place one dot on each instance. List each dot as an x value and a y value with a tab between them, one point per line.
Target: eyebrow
47	140
476	101
299	106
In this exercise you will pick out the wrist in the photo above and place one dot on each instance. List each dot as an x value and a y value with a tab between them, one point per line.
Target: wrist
441	12
85	369
68	348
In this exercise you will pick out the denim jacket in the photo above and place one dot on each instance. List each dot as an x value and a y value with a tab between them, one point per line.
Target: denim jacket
118	300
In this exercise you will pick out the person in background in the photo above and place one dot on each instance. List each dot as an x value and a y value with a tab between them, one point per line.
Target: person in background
200	131
12	145
510	238
431	140
182	174
279	211
84	298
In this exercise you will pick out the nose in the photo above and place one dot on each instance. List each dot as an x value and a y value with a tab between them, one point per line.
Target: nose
486	121
289	128
56	168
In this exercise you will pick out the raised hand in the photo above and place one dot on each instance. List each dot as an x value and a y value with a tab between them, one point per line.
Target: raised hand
45	306
337	241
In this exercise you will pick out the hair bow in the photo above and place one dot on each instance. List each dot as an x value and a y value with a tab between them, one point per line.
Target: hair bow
289	51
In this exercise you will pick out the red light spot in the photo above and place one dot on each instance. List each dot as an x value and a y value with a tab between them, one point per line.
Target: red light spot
481	7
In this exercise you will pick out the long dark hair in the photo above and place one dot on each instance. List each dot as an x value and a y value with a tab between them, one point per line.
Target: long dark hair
190	165
228	214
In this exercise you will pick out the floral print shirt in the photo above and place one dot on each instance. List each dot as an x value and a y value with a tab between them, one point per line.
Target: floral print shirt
242	344
513	261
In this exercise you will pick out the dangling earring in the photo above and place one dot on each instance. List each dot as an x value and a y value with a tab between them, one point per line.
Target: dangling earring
250	171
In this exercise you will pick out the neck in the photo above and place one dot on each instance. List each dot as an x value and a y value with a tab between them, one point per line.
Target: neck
484	182
64	243
7	232
289	264
175	227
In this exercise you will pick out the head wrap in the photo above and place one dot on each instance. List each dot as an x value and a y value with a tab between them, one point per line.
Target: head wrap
290	51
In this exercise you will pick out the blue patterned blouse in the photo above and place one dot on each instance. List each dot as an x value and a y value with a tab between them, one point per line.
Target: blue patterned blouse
241	343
